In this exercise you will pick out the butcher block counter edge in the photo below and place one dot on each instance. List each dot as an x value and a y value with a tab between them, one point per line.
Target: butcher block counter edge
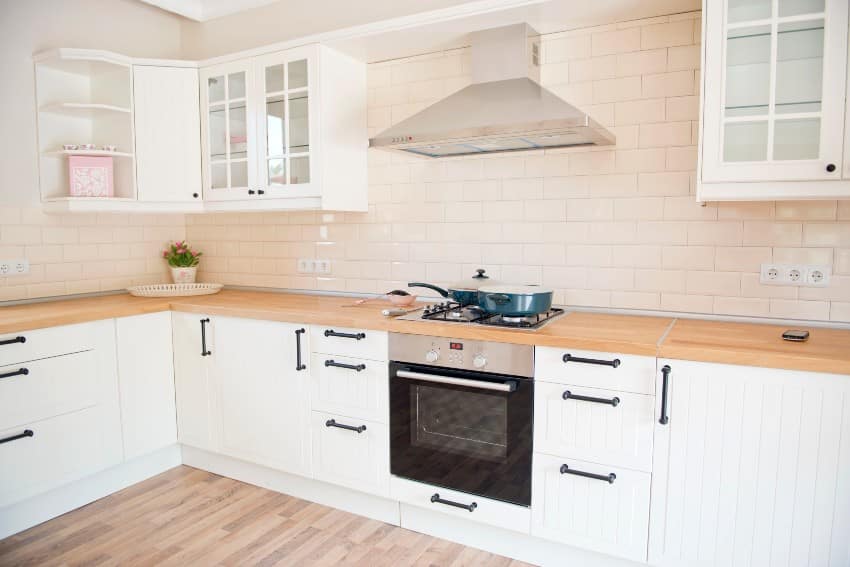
749	344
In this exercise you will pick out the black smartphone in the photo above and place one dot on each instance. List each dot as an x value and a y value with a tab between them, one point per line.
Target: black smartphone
795	335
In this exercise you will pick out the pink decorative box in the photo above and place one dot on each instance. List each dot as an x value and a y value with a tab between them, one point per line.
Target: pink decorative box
90	176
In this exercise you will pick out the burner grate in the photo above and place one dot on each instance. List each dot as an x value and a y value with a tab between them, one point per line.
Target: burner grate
451	311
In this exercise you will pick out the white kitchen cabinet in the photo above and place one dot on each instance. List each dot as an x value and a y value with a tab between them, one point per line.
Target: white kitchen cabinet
146	383
774	88
589	505
168	134
285	130
263	413
351	386
751	468
193	337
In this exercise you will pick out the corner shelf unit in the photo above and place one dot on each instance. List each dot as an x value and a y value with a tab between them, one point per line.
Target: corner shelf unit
84	96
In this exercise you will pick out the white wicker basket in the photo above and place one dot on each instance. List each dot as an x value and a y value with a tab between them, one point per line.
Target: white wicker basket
175	290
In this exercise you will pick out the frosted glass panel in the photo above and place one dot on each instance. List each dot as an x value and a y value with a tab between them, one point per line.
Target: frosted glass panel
748	71
798	7
215	89
796	139
238	130
239	174
745	141
277	172
746	10
298	74
275	126
218	174
236	85
218	133
299	125
300	169
799	67
274	79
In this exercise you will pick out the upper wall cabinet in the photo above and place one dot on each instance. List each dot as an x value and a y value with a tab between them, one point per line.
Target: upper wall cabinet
285	131
774	88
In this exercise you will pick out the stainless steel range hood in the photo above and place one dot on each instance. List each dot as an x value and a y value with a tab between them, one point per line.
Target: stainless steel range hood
504	109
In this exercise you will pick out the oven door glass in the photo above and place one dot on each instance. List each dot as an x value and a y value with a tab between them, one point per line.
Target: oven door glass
465	437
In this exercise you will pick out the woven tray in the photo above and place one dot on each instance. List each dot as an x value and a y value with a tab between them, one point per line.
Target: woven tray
175	290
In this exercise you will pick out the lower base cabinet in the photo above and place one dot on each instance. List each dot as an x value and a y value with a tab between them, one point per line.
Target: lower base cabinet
351	452
591	506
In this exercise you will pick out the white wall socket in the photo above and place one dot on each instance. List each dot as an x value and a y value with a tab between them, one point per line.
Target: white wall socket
9	268
795	274
311	266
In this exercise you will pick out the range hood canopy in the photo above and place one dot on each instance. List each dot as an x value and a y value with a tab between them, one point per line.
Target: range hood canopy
504	109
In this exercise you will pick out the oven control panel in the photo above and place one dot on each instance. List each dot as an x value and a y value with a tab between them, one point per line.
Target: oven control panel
464	354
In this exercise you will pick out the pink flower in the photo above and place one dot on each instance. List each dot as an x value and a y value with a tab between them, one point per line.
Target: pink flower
165	253
193	253
181	250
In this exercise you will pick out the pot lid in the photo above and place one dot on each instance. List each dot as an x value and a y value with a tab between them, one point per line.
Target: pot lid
472	284
515	289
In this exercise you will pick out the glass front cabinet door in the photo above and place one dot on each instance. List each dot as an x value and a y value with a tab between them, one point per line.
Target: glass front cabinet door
228	131
774	90
286	129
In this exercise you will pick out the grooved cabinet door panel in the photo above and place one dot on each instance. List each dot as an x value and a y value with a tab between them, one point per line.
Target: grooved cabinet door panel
592	513
753	468
192	385
592	430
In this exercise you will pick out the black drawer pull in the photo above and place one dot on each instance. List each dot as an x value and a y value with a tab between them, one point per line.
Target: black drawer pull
299	366
333	423
26	433
615	401
204	351
471	507
18	372
609	478
335	364
612	363
665	378
355	336
13	341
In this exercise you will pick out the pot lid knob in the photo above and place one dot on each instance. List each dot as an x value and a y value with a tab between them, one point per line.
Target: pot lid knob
480	274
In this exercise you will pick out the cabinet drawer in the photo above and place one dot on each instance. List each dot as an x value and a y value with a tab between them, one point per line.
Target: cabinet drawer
486	511
50	387
61	449
42	343
344	341
359	392
609	371
358	460
571	425
609	517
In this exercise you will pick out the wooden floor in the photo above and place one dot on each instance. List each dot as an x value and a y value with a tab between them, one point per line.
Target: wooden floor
190	517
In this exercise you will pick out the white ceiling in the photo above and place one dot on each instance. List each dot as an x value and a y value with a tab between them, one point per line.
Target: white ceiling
203	10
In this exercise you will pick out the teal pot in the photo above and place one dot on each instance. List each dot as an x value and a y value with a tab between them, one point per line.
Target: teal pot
515	300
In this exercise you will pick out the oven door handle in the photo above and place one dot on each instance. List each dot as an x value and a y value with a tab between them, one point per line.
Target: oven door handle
509	386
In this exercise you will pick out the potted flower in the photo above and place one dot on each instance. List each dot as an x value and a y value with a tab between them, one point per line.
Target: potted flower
183	261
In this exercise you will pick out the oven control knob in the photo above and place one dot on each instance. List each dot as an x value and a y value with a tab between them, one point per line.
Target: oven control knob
432	355
479	361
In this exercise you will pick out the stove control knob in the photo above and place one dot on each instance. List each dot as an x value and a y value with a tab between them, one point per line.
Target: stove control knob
432	355
479	361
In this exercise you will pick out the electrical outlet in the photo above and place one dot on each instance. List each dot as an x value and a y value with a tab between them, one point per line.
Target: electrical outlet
818	276
323	266
771	273
14	267
795	274
306	265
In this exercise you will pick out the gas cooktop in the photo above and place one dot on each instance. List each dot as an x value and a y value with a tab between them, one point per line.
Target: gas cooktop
452	312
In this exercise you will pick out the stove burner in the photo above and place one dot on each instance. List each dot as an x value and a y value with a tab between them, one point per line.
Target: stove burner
457	313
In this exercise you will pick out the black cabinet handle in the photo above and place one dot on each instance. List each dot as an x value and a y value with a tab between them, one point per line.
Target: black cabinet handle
665	378
471	507
195	195
298	365
260	192
609	478
357	367
612	363
26	433
13	341
355	336
251	191
18	372
615	401
830	168
204	351
333	423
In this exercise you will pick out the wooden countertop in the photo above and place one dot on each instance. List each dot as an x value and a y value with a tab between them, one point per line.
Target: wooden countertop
828	350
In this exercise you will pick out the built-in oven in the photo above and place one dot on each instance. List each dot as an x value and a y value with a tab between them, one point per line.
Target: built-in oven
461	415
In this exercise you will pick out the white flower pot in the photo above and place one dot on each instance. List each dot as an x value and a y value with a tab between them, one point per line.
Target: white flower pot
184	275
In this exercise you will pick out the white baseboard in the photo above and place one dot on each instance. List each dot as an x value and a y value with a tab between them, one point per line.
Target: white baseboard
346	499
33	511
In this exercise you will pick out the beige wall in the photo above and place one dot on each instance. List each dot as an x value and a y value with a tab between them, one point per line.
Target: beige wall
71	253
608	227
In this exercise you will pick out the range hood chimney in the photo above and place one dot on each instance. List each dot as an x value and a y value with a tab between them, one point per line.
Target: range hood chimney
504	109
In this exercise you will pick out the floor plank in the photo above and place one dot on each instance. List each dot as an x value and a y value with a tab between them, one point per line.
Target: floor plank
190	517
